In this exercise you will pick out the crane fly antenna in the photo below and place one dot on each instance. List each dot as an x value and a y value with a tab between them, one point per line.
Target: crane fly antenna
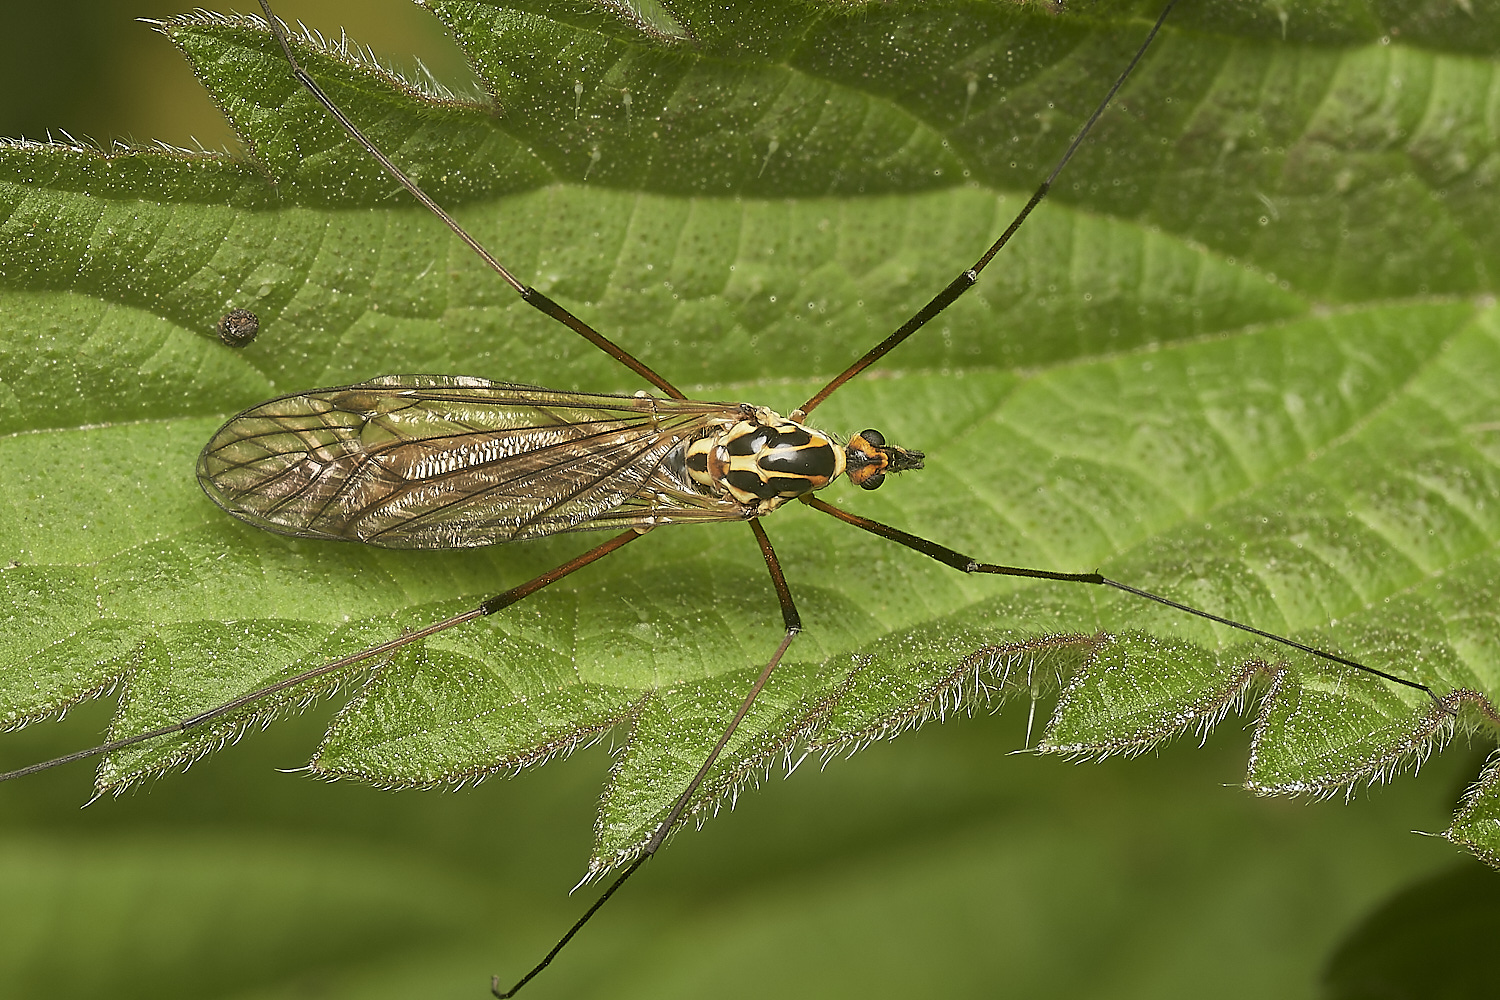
529	295
967	279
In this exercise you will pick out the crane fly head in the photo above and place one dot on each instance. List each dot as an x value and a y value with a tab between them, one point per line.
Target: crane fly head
867	458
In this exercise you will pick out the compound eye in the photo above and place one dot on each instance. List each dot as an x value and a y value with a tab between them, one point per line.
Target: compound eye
875	438
873	482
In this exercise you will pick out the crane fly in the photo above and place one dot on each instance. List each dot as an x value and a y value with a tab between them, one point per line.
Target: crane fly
434	462
441	462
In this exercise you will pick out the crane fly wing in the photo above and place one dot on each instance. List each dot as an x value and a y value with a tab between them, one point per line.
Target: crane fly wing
428	462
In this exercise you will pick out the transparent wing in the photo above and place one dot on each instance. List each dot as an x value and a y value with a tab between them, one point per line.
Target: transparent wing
427	462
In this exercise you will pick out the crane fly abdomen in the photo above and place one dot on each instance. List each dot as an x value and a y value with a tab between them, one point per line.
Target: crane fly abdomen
426	462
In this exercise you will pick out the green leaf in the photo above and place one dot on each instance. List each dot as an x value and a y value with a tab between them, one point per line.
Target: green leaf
1244	356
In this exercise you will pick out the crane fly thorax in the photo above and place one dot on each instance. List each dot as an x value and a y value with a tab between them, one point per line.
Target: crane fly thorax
764	459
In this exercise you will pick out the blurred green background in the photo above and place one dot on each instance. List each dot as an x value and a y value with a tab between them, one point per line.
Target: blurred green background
90	67
939	864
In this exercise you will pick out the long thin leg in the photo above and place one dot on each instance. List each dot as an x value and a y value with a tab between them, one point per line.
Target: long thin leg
966	280
489	607
793	623
563	941
529	295
967	564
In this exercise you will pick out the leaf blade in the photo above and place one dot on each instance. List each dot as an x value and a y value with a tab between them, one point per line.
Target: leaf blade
1097	283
